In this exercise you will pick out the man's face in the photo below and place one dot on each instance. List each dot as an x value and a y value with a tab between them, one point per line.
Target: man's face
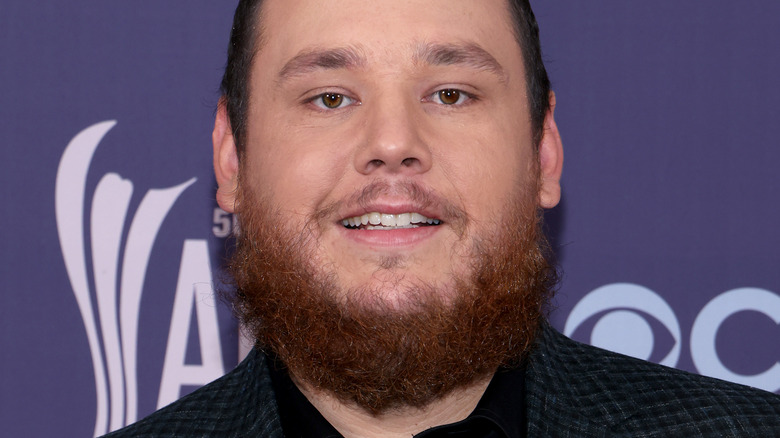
388	195
405	111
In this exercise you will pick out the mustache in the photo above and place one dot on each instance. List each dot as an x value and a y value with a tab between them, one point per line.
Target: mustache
424	197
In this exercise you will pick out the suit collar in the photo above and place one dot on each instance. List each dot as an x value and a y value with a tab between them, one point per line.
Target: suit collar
555	401
559	399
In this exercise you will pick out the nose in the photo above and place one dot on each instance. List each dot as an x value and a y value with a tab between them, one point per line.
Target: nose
393	143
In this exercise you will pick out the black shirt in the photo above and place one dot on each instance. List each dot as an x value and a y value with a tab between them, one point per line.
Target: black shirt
500	412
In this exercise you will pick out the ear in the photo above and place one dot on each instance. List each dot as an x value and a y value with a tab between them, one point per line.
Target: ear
550	160
225	159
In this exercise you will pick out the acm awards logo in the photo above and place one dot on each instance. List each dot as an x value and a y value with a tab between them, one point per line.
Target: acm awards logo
623	327
108	285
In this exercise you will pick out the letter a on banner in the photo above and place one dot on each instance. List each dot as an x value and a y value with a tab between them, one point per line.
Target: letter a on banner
194	288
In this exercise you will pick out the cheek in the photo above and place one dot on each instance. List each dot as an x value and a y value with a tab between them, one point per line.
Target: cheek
486	167
297	170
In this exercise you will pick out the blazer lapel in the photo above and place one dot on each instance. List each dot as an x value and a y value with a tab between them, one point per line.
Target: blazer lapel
559	401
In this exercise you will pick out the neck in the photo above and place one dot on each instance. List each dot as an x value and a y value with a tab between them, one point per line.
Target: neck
353	421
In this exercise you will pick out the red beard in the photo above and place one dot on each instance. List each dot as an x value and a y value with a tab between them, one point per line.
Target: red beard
378	356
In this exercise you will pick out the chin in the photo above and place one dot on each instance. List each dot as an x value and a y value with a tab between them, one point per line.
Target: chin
398	293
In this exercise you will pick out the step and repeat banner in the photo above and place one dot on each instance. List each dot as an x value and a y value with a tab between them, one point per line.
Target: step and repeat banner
112	242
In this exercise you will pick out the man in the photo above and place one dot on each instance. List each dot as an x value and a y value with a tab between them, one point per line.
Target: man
388	161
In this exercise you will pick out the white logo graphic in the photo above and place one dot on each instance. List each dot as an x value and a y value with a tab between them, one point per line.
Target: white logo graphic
623	329
706	326
117	292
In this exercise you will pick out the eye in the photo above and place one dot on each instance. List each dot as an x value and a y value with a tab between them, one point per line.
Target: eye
450	96
330	101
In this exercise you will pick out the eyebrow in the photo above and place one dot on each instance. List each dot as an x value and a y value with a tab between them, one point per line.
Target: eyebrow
326	59
469	55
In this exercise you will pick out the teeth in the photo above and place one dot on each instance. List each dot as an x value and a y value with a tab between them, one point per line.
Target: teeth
376	220
388	220
417	218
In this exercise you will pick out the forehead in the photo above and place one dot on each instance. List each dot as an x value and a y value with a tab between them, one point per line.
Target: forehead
390	30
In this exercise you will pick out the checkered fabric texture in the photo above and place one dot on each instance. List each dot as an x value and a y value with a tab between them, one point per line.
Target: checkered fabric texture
239	404
573	390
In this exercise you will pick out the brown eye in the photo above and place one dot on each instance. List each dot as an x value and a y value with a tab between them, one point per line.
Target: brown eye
332	100
449	97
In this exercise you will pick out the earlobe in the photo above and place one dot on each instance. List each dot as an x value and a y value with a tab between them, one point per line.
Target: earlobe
225	159
550	160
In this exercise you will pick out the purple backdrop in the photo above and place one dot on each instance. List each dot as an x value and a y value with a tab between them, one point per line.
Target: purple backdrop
111	239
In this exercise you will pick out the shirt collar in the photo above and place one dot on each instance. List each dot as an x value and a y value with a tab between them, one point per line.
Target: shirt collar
299	418
499	413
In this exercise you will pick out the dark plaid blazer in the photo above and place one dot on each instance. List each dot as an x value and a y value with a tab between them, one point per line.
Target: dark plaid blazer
572	390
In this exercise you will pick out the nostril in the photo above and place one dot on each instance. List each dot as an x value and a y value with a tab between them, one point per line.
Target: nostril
376	163
408	162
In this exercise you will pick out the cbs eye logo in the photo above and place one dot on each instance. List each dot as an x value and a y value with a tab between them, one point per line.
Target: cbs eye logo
622	325
634	320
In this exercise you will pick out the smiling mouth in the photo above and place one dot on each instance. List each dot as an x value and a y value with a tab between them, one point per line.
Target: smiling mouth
383	221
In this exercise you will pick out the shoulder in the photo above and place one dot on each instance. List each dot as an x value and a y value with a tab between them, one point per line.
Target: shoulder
241	403
620	394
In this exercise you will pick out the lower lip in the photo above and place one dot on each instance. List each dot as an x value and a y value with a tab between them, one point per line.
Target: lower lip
400	237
